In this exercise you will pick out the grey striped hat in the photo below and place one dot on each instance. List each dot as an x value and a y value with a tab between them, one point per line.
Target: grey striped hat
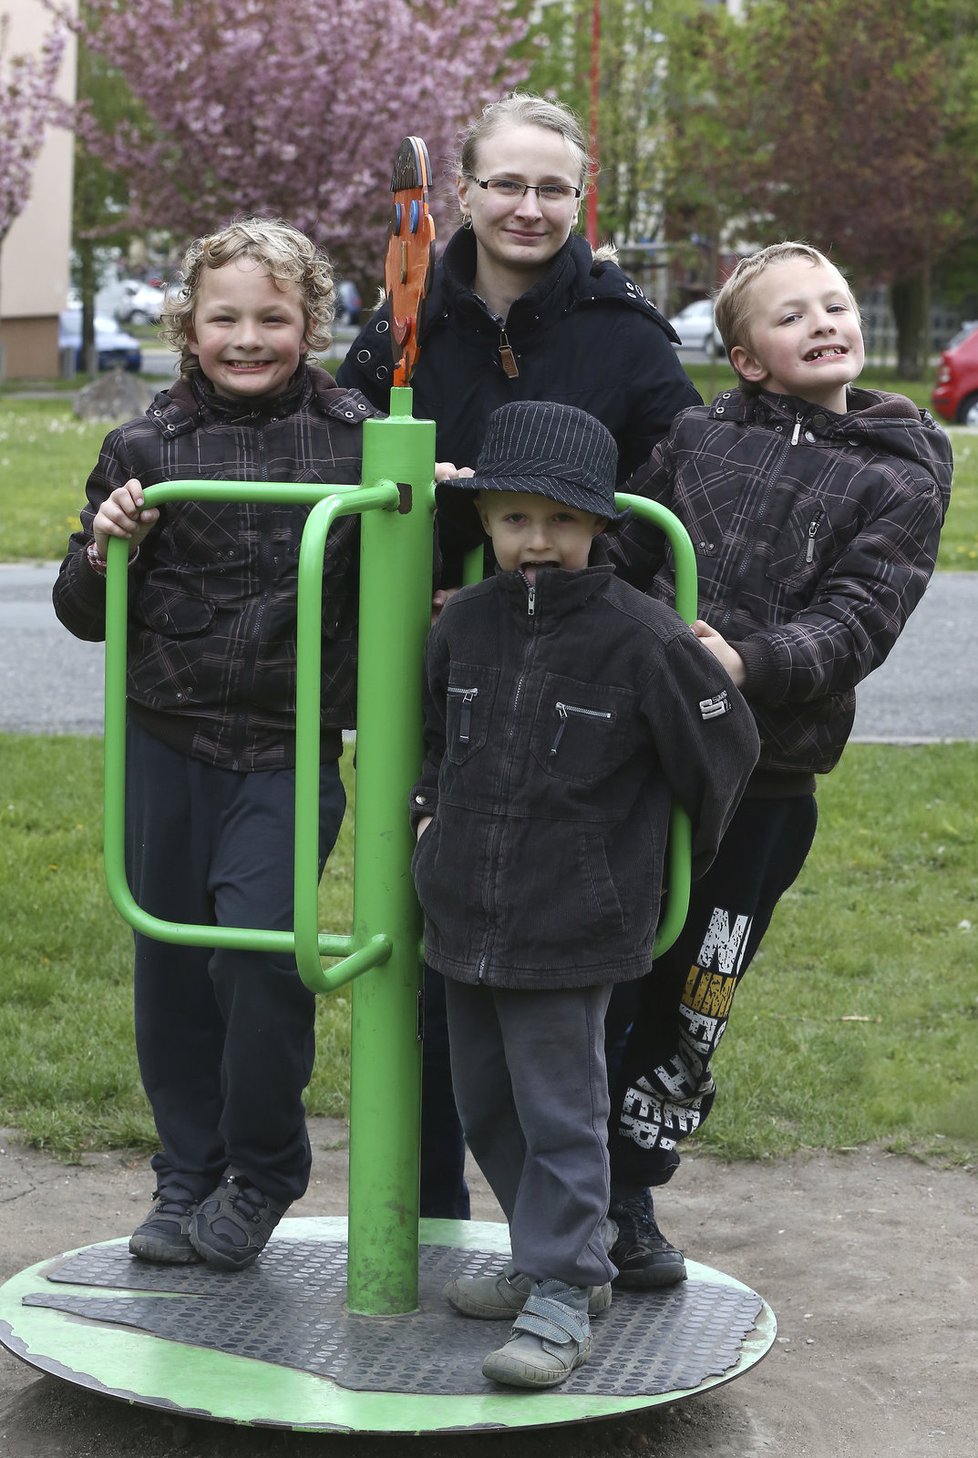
546	449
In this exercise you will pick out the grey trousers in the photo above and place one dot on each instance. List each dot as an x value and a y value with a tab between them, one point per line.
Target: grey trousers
532	1093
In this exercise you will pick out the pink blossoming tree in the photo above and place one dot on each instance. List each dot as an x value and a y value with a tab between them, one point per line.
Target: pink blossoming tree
254	106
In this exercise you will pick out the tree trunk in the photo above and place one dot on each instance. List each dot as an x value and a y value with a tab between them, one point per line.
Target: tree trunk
88	274
910	301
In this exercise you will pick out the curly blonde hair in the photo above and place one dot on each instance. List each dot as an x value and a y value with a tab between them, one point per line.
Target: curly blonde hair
289	258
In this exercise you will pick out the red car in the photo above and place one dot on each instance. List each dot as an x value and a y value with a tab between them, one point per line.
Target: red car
955	395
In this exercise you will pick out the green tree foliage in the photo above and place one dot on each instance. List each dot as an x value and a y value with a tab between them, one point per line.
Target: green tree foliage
841	125
851	126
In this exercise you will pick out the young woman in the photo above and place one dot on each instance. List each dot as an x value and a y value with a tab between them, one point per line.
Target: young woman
519	309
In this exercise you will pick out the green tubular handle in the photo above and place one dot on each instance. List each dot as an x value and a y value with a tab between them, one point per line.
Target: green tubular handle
306	943
680	848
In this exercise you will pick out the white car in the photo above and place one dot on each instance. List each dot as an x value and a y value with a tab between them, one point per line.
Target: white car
138	303
696	327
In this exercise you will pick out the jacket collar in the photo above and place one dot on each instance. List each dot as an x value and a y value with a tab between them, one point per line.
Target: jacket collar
192	402
573	277
544	301
556	593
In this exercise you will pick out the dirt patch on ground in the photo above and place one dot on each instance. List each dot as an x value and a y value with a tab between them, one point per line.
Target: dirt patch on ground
869	1261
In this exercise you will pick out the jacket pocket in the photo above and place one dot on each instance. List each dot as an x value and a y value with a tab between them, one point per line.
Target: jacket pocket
173	634
468	706
581	730
813	536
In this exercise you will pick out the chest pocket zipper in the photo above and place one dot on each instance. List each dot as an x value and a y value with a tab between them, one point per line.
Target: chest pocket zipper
813	527
564	712
465	714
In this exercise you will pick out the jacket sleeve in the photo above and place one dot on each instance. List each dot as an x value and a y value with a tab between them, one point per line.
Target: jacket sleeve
705	738
79	591
424	795
637	548
369	362
858	609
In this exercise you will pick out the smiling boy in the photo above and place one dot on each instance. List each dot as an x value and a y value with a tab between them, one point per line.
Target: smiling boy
815	509
563	710
225	1038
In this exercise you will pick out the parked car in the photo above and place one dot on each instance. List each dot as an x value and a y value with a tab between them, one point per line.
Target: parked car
116	349
696	327
955	396
348	302
137	302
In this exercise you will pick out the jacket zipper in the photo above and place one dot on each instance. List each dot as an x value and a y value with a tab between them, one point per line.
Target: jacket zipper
813	527
465	715
565	710
797	430
495	833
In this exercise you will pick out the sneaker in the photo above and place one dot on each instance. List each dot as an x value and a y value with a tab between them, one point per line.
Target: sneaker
496	1298
645	1259
550	1340
231	1227
163	1236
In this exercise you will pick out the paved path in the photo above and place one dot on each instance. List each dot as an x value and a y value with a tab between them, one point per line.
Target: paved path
927	689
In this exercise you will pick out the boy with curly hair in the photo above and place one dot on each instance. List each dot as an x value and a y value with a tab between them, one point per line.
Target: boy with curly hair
225	1038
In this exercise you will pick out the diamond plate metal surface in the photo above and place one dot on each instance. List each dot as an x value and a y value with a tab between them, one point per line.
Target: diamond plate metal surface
288	1310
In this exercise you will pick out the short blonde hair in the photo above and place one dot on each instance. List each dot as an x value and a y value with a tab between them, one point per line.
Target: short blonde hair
289	258
732	305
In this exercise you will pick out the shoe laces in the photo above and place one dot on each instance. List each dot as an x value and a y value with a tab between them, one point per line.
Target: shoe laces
173	1201
246	1199
636	1210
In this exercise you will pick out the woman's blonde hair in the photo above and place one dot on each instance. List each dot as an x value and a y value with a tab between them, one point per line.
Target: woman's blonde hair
522	109
287	255
732	305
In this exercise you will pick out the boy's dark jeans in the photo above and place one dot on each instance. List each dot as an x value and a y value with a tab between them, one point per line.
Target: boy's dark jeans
225	1039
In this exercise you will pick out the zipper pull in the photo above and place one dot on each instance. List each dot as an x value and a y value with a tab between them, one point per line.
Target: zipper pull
531	601
813	527
507	358
562	715
465	720
797	430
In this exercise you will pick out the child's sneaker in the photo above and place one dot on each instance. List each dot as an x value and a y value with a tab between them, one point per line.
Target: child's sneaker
645	1259
231	1227
163	1236
495	1298
551	1338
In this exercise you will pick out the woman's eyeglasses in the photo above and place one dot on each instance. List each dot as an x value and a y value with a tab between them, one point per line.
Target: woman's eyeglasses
547	192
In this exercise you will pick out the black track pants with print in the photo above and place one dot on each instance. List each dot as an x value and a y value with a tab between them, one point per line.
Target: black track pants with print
660	1071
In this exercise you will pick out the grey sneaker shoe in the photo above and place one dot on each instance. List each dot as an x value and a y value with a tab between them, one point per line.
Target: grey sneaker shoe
231	1227
163	1236
550	1340
646	1261
497	1298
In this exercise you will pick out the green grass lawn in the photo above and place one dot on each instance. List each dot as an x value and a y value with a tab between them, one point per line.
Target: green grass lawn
46	455
858	1021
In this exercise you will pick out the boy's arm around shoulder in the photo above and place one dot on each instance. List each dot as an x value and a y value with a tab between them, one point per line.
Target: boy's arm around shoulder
704	734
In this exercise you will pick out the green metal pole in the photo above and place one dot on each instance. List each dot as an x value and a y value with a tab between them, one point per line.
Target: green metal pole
385	1071
679	852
